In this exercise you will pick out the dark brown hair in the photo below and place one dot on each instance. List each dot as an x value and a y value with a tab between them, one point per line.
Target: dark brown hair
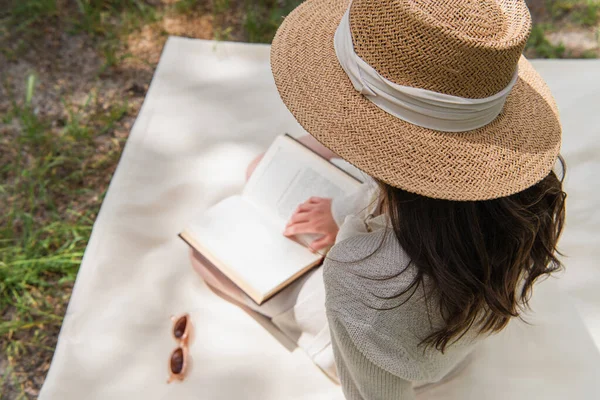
482	257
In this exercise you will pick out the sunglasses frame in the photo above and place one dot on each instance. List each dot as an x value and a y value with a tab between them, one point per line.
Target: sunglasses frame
183	345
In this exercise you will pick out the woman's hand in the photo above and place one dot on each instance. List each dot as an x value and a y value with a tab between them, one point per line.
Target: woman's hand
314	216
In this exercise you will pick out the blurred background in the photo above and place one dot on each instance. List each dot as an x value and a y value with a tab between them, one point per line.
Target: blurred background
73	75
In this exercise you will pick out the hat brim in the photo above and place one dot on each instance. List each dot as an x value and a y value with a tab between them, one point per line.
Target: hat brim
515	151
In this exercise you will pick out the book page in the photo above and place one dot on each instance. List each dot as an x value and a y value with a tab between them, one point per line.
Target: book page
248	247
288	175
305	184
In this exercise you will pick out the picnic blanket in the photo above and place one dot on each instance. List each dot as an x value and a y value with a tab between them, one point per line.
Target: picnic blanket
212	107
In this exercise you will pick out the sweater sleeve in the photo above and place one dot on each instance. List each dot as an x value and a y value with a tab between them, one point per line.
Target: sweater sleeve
361	379
363	373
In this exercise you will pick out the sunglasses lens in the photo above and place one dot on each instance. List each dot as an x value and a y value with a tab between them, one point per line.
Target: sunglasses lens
177	361
179	328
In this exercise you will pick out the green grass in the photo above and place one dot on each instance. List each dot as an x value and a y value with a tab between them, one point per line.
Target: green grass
102	17
24	14
49	183
563	14
92	16
579	12
540	44
263	17
107	21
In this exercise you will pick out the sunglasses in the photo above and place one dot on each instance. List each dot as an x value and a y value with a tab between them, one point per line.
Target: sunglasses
178	362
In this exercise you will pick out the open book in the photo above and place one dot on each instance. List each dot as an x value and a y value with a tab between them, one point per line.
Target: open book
242	235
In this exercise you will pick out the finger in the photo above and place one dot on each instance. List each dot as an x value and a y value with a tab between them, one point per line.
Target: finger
321	243
298	217
315	200
303	227
304	207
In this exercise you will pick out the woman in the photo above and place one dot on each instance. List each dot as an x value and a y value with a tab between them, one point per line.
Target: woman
460	134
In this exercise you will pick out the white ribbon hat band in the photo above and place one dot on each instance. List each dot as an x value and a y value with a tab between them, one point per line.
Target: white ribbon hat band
432	110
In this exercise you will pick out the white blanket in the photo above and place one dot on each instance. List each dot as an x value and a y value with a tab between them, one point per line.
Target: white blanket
210	109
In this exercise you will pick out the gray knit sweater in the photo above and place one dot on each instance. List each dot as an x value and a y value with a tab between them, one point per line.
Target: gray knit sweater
376	351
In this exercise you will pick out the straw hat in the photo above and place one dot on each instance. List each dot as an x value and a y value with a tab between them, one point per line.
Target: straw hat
466	49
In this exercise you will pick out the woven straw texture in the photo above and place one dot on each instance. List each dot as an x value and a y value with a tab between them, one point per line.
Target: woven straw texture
466	48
